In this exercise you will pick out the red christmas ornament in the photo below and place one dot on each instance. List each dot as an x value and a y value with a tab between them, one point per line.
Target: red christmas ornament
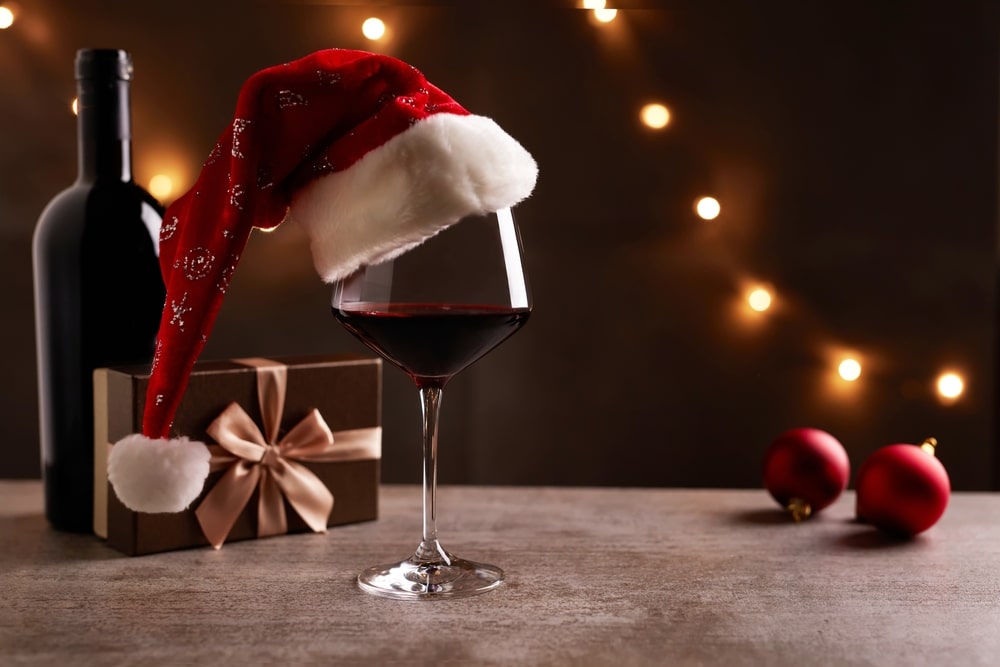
806	469
903	489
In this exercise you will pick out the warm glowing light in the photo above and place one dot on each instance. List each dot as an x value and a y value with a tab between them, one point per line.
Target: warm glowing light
950	386
605	15
759	299
373	28
6	18
708	208
849	369
161	186
594	4
655	116
75	106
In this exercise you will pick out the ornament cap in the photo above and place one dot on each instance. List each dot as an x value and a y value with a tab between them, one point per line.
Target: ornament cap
929	445
799	509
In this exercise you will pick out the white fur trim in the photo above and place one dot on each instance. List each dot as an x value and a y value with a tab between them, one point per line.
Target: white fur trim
157	475
438	171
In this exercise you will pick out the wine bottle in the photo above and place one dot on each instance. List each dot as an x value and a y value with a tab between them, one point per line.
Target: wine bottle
98	287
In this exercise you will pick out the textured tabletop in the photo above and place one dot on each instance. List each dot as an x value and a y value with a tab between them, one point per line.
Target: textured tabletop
594	577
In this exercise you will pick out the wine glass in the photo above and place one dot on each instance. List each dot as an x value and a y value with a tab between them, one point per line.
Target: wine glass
433	311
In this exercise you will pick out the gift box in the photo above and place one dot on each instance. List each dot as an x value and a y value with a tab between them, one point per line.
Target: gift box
317	419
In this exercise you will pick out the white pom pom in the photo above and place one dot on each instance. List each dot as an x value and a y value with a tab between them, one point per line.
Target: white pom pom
157	475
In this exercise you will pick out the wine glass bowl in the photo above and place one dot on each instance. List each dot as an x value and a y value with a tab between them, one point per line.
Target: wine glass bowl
433	311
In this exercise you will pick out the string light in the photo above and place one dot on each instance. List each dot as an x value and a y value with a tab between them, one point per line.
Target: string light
950	386
6	17
161	186
75	106
373	28
849	369
759	299
708	208
605	15
655	115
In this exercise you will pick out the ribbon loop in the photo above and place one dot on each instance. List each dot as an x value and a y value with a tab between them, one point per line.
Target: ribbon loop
252	461
235	432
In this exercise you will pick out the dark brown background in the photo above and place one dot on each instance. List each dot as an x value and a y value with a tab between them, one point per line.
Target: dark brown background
853	146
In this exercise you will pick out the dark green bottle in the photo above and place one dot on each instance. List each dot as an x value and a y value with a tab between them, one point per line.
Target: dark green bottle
98	287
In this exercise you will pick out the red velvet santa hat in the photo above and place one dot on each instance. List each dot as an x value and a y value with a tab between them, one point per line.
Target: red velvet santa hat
361	151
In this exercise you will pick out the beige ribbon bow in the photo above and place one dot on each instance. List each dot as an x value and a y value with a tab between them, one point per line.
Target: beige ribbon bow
253	460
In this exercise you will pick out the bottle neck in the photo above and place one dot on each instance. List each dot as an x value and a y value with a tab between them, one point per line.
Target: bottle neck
104	130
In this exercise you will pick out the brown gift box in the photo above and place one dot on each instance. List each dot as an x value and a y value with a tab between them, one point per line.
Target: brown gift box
346	389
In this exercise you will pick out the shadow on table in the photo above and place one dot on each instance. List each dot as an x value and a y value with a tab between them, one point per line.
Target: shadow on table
865	536
857	535
29	537
763	516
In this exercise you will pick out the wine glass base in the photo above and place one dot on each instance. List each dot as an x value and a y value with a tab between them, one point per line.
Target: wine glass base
413	579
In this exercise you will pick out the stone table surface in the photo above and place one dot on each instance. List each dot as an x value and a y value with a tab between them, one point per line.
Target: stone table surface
595	576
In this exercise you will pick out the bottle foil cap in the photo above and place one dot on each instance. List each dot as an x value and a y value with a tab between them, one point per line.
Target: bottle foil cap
104	63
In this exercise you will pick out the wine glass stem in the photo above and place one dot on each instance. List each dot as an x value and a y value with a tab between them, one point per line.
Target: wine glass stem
430	549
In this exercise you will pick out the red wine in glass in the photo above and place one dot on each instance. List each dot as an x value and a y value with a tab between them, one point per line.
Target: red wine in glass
431	342
433	311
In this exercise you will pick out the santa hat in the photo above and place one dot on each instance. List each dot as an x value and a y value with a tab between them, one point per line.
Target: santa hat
357	148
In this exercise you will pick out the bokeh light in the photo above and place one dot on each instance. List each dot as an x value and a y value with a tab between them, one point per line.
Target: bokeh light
759	299
708	208
950	386
605	15
593	4
161	186
6	18
849	369
75	106
373	28
655	115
